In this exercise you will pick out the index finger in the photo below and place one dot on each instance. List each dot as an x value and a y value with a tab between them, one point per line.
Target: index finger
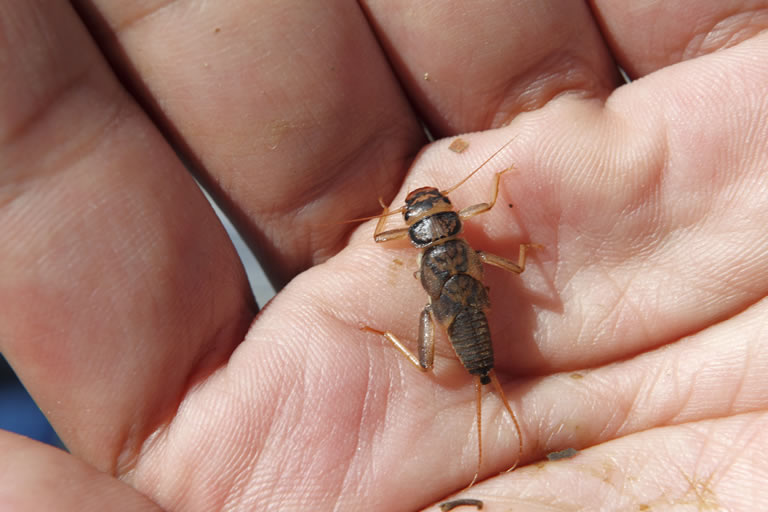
118	286
287	109
476	66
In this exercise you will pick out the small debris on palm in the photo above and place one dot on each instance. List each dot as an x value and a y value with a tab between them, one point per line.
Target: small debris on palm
458	145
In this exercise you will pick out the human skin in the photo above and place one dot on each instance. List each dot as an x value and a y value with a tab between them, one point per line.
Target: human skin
636	334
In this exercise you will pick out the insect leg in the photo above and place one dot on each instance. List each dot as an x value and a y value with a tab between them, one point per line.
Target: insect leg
477	209
392	234
426	338
426	357
500	390
507	264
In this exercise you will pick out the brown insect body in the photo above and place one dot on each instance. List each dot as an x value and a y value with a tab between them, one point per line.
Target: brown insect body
452	275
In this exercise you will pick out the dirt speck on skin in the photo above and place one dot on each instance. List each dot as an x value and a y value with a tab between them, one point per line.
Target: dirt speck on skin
466	502
568	453
398	272
458	145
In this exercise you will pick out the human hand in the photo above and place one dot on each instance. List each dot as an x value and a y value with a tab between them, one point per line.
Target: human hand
634	335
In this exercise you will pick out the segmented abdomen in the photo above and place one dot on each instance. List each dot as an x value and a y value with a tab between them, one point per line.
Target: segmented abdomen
451	273
471	339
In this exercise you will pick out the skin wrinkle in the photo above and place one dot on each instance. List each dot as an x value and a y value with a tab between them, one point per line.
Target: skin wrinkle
277	431
623	302
710	288
683	399
691	480
232	489
601	326
705	441
247	479
129	454
696	488
754	435
678	389
646	242
605	395
740	383
332	180
45	93
308	383
581	86
347	488
332	176
734	275
67	154
581	331
128	22
751	356
734	28
559	277
649	387
621	415
44	106
268	430
642	461
736	315
622	486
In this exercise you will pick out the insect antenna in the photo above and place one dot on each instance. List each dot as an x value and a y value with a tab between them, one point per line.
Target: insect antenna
360	219
451	189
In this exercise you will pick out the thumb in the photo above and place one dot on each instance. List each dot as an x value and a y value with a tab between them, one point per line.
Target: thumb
34	476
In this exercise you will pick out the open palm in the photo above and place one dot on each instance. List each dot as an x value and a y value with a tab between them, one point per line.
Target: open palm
635	335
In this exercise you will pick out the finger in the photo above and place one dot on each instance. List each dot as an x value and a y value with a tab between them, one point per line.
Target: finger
702	465
34	476
653	35
292	116
118	286
475	67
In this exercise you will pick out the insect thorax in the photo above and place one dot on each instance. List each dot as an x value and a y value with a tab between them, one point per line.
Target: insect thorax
442	261
424	201
434	228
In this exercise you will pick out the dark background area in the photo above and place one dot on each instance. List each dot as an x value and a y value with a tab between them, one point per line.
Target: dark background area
18	412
